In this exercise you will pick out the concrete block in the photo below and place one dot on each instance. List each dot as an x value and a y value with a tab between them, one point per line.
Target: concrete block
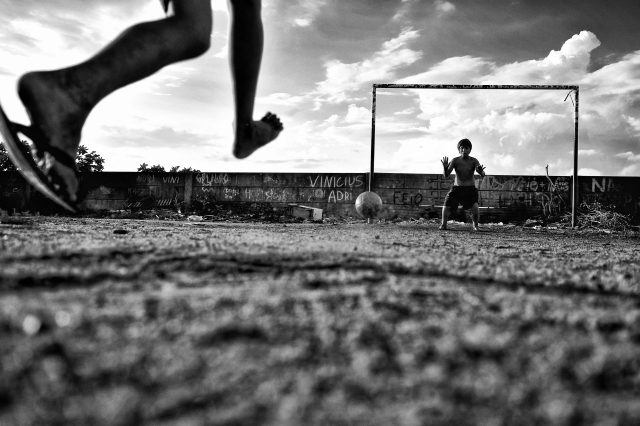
305	212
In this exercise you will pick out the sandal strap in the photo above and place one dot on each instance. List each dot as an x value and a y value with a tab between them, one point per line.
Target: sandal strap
36	136
61	157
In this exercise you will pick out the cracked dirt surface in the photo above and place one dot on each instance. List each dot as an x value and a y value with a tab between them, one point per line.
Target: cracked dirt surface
127	322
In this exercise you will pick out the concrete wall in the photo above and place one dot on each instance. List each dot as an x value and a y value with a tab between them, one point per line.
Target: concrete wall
404	195
621	192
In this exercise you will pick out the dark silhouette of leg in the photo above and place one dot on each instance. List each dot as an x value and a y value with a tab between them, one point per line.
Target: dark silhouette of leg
247	40
59	101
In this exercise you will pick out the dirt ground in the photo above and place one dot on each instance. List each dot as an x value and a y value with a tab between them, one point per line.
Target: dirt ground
128	322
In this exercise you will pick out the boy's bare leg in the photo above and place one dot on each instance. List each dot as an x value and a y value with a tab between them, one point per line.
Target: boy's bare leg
58	102
446	212
475	216
247	40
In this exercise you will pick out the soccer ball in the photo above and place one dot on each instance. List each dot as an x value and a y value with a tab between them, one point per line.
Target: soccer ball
368	204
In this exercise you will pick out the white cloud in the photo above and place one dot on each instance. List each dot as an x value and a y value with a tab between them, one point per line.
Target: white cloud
302	22
343	79
519	128
607	98
444	7
589	172
566	66
306	12
459	69
616	78
632	170
333	119
629	156
282	99
407	111
634	123
503	161
357	115
574	54
534	169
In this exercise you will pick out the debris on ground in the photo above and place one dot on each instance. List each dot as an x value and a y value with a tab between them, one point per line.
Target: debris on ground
600	217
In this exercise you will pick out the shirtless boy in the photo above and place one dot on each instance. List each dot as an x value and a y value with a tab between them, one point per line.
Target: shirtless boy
58	102
464	189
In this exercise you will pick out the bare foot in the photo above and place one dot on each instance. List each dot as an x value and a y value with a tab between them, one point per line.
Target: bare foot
476	228
56	120
256	134
443	227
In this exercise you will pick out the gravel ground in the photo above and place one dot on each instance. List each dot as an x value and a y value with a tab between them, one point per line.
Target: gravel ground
129	322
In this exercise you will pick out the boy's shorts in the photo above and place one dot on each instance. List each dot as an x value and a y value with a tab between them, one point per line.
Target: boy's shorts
465	195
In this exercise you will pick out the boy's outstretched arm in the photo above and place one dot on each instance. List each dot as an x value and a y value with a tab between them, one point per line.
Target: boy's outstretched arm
480	169
448	167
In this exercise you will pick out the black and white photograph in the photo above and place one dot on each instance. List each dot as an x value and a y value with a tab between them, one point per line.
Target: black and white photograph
287	212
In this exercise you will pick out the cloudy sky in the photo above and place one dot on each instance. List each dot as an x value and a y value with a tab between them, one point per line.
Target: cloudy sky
320	60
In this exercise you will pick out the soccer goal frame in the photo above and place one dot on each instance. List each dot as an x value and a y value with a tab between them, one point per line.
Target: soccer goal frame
574	88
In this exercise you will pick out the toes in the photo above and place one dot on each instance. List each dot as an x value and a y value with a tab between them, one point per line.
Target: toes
273	121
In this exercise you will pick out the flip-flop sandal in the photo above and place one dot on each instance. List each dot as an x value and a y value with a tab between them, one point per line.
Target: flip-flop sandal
58	156
50	184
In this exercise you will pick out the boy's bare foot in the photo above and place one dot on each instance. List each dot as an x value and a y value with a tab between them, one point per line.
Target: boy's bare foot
256	134
476	228
443	227
56	121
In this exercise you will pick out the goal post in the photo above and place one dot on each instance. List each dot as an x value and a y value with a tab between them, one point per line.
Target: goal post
574	88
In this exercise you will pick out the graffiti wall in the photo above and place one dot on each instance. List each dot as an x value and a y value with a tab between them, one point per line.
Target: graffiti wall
501	197
115	191
619	193
404	195
525	196
332	192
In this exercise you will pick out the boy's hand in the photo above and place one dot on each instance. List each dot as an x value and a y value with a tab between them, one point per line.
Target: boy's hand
445	162
480	169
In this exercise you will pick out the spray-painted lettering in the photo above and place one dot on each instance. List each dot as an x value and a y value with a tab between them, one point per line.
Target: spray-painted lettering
171	179
603	185
212	179
338	196
325	181
407	199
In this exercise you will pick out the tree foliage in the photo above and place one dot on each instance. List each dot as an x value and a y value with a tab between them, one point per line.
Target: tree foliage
178	169
5	162
86	161
89	161
144	168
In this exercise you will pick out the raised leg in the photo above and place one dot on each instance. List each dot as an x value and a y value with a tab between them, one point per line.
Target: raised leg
58	102
247	40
